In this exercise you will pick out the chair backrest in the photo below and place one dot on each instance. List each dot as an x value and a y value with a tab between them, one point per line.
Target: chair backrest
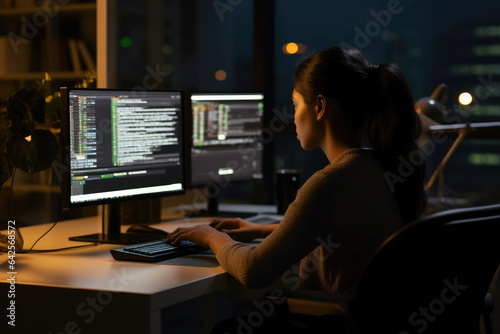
432	275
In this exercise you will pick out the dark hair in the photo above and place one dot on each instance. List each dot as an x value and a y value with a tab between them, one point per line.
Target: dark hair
379	105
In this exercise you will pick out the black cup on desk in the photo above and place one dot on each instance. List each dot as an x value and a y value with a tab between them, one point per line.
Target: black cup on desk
287	185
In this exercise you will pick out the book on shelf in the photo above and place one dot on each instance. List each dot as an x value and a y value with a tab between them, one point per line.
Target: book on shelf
60	58
87	58
75	58
68	55
81	58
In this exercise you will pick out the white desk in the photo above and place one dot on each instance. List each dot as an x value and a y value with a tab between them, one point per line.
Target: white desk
86	289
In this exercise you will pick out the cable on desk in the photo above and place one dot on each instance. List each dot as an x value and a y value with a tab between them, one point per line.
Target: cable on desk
53	225
57	249
31	250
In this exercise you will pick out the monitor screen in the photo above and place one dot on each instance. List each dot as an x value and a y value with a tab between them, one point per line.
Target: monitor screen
120	145
226	133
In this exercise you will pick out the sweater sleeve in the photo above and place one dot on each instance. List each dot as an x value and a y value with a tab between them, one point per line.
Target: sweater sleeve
297	235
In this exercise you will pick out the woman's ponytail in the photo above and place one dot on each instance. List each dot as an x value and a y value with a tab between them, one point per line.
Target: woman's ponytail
393	128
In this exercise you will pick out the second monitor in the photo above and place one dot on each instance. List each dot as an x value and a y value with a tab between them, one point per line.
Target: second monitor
226	139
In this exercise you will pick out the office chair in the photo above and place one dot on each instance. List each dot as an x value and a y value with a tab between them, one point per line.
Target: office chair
431	276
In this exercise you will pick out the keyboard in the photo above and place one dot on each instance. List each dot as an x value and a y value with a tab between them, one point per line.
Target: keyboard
155	251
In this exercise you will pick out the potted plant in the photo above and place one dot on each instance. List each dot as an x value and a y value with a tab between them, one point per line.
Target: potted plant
29	124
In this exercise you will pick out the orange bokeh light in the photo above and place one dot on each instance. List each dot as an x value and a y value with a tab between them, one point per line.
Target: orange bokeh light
221	75
292	48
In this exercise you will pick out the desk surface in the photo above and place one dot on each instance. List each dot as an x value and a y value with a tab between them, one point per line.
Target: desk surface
166	283
85	288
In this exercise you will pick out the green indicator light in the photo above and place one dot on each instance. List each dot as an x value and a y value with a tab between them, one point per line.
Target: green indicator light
125	42
106	176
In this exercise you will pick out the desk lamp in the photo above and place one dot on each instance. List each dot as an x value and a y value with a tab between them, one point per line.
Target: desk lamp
433	115
432	112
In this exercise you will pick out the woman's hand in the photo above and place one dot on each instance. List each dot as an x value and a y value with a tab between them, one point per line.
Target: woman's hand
203	235
242	230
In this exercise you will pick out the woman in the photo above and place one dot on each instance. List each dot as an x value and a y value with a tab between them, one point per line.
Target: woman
362	117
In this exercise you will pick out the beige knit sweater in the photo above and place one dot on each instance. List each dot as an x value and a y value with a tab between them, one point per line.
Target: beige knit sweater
338	219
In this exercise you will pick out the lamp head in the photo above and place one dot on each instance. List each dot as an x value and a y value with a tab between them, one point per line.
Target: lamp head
432	110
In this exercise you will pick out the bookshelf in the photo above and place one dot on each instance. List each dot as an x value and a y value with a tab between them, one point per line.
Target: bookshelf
39	37
53	38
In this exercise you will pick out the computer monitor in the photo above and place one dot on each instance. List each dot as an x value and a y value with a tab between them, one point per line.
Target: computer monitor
120	145
226	140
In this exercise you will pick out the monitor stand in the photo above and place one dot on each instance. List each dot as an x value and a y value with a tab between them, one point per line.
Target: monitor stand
212	210
213	206
111	230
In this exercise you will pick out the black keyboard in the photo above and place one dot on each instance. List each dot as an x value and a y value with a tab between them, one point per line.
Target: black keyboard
155	251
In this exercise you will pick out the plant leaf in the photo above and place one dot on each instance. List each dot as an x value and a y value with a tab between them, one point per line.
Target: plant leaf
35	155
25	106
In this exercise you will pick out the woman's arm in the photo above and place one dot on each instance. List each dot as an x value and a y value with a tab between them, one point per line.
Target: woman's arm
209	236
242	230
203	235
308	217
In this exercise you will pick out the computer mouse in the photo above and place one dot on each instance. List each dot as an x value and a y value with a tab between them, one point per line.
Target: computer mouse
139	228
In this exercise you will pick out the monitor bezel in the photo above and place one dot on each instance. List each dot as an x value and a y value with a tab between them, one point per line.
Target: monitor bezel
65	184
